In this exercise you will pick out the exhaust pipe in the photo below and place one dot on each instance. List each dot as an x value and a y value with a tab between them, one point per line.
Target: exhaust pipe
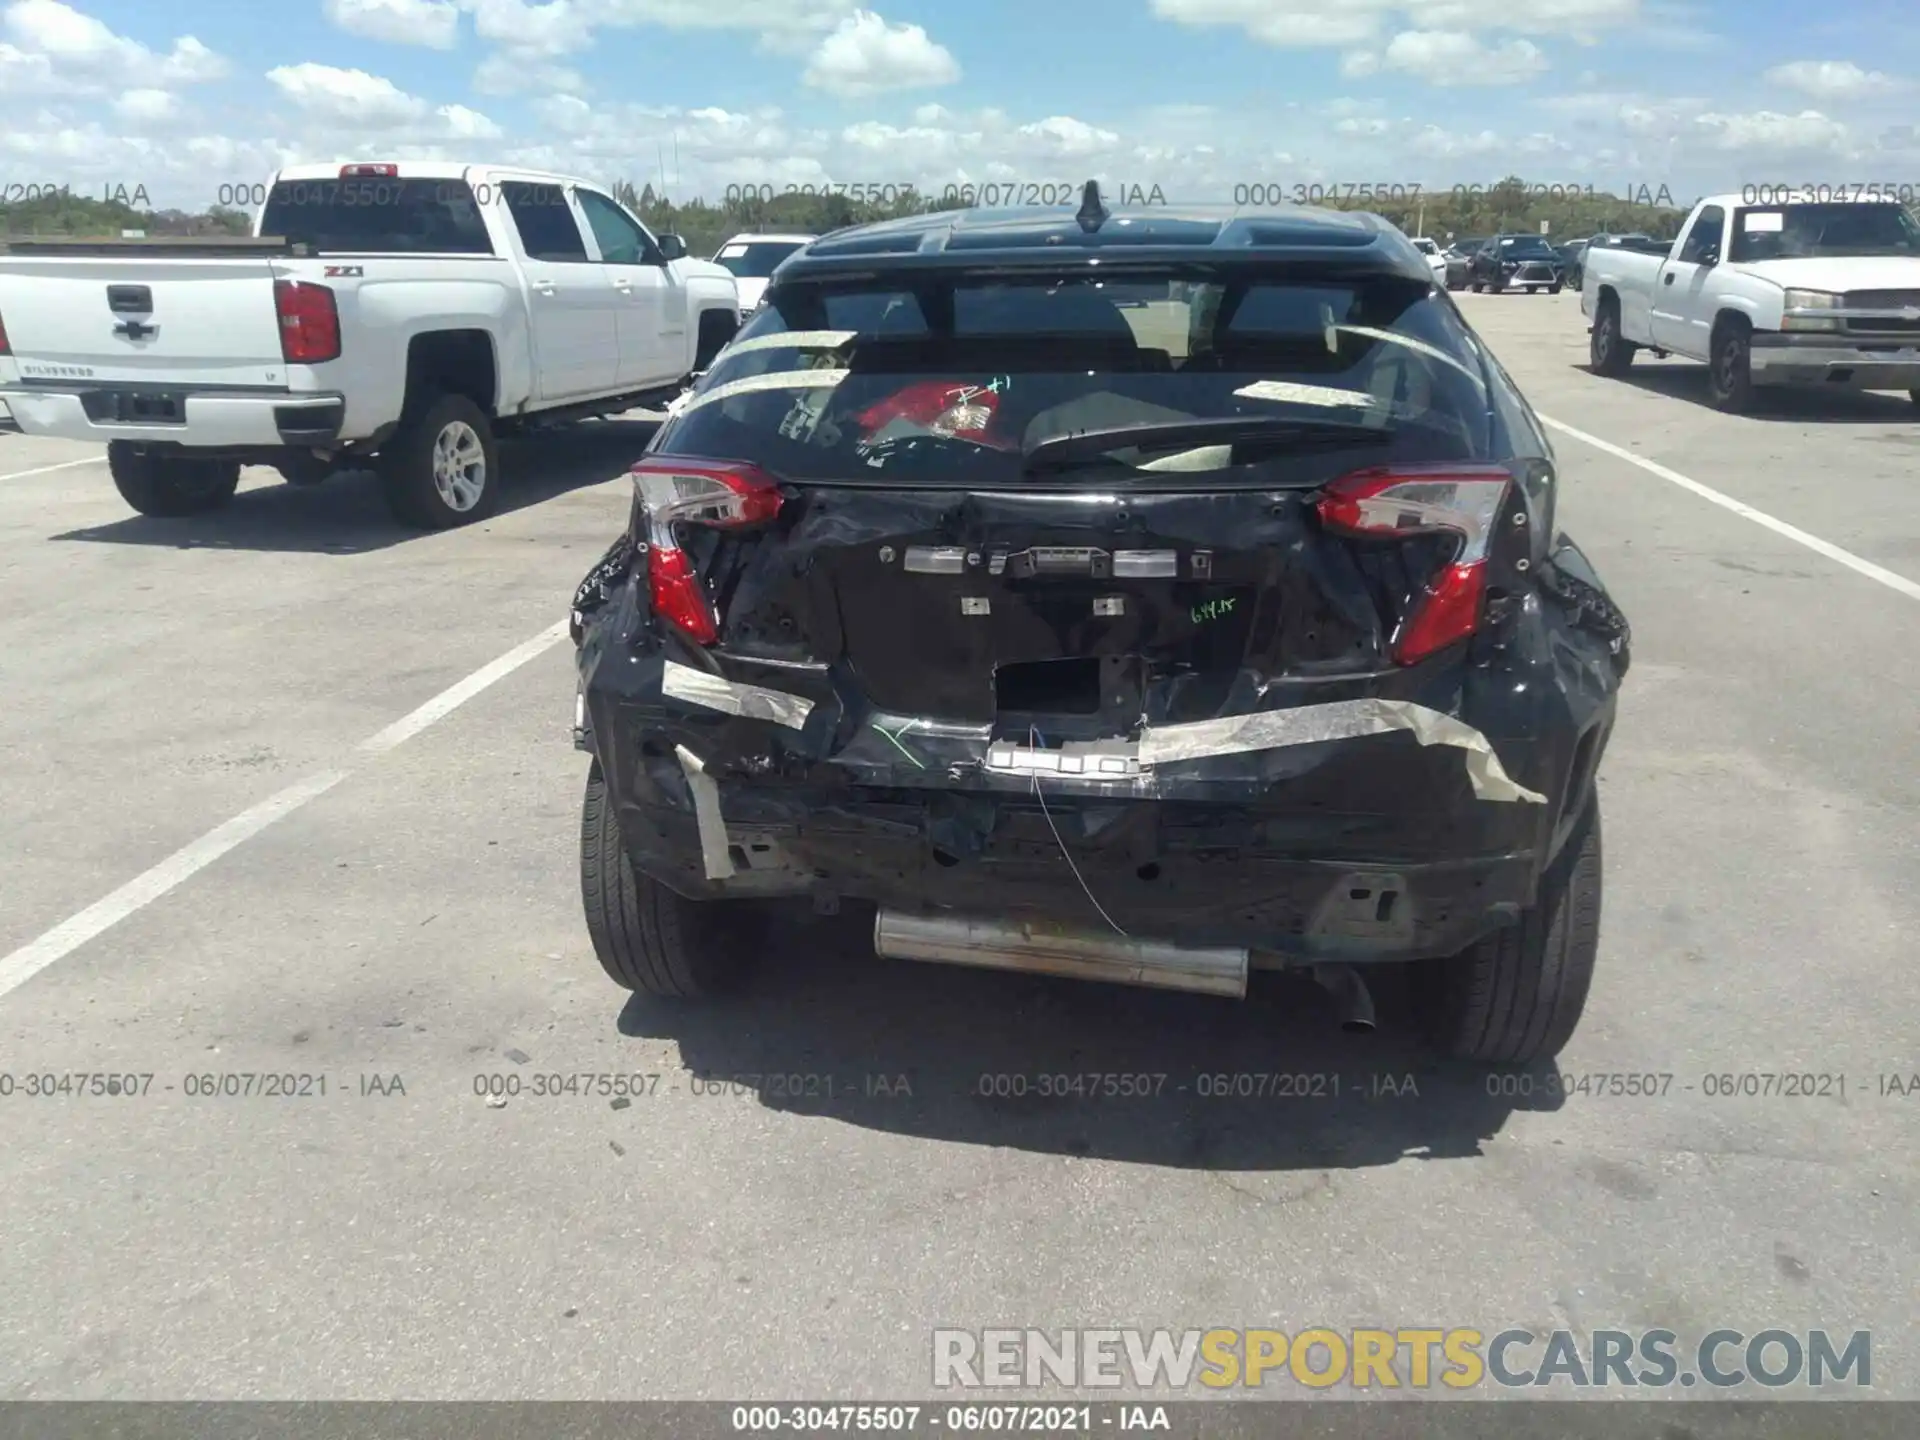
1042	948
1350	996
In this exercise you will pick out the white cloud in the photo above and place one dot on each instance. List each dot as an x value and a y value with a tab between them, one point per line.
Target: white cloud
1358	64
54	46
1063	137
1307	24
1374	126
511	74
1833	80
460	123
1453	58
558	27
350	99
147	107
1769	133
432	23
866	55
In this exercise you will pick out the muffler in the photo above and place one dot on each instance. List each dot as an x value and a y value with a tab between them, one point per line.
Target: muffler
1350	996
1043	948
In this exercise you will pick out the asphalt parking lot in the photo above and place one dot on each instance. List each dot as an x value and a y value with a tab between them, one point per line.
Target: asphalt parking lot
350	886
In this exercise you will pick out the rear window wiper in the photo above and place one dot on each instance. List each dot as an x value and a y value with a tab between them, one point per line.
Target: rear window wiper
1079	447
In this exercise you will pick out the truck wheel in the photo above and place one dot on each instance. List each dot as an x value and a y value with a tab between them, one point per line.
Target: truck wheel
1914	396
170	486
1607	353
1729	372
716	329
647	937
441	469
1555	288
1516	996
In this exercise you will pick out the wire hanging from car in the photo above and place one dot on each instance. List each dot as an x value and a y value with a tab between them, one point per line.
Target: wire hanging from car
1033	743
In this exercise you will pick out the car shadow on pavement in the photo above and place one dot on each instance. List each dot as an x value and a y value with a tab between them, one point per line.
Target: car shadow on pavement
1793	404
1069	1067
347	515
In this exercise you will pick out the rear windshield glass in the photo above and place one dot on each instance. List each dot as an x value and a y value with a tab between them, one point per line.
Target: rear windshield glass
756	259
1527	247
827	383
1789	232
407	217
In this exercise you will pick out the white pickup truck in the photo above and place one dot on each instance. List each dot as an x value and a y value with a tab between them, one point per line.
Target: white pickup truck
1817	292
403	313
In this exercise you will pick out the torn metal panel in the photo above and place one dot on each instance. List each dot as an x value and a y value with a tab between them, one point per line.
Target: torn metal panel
706	814
1338	720
734	697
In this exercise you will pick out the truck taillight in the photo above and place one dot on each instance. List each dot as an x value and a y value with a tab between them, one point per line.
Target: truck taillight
309	322
710	494
369	172
1402	502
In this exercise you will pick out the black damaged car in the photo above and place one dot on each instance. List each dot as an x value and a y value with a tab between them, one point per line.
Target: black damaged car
1516	262
1132	595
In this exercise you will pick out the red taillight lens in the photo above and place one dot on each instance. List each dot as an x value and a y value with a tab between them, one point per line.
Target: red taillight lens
1411	500
712	494
309	322
369	172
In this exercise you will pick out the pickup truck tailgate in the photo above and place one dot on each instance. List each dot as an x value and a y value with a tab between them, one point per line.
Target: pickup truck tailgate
181	321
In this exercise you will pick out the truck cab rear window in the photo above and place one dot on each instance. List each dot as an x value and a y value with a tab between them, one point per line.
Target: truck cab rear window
402	217
1823	231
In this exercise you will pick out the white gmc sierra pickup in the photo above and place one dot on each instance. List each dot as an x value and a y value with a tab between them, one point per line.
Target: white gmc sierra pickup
1818	292
404	313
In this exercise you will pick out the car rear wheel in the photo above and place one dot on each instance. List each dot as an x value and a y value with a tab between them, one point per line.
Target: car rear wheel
1606	351
1730	373
1516	996
1555	288
170	486
441	469
647	937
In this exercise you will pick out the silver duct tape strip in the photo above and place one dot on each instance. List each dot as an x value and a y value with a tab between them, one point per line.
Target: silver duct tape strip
778	380
706	815
793	340
1340	720
731	697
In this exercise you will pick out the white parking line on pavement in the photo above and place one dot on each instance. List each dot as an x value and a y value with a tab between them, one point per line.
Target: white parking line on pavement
1909	588
70	934
49	469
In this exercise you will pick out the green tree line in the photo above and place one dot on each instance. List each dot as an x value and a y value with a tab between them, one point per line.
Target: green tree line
704	225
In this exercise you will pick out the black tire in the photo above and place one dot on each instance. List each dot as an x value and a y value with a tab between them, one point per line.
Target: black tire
1914	396
409	462
1555	288
647	937
170	486
1607	352
1516	996
716	329
1729	367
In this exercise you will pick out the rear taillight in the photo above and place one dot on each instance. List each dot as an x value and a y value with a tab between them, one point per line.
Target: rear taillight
1414	500
710	494
309	322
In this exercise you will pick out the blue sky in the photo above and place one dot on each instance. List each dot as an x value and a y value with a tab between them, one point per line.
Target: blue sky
1193	95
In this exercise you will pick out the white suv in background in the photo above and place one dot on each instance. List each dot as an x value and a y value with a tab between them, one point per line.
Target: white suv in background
1436	262
753	259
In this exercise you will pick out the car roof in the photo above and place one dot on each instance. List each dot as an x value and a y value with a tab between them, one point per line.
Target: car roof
753	237
1047	238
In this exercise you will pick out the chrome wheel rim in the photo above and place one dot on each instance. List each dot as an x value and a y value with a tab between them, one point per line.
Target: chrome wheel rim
1729	363
459	466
